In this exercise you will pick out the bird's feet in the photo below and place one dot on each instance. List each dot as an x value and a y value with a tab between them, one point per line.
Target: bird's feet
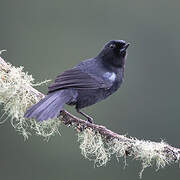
90	119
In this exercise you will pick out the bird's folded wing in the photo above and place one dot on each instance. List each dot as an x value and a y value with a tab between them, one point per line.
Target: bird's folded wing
77	79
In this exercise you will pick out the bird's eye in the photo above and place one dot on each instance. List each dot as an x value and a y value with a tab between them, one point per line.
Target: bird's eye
112	46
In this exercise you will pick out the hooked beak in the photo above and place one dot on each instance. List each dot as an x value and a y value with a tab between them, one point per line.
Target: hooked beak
124	48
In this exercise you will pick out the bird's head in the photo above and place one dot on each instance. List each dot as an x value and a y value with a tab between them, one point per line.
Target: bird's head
114	53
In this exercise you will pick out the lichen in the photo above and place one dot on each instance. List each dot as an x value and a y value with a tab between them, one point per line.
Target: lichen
150	153
16	97
92	147
100	150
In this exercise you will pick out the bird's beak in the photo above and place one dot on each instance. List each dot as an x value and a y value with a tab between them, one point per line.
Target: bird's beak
125	47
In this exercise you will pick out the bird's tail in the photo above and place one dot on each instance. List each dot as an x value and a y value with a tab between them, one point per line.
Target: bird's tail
50	106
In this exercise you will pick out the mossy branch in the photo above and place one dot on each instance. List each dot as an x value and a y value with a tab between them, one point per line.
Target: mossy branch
97	143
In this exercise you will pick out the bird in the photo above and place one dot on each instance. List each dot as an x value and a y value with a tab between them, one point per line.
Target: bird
87	83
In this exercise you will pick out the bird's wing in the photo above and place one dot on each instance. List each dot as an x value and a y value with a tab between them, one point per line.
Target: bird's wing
77	79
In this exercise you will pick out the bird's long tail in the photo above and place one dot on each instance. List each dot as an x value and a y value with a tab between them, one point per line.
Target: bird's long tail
50	106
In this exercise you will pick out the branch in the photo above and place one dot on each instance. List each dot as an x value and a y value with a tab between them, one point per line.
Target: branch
97	143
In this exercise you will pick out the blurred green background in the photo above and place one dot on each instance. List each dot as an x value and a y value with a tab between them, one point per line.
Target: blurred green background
47	37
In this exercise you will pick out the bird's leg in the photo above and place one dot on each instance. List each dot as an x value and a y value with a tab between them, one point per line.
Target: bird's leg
90	119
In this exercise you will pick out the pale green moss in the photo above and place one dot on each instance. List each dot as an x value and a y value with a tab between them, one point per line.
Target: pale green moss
151	152
16	97
94	147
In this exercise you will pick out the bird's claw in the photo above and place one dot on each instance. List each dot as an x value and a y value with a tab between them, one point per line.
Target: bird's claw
90	120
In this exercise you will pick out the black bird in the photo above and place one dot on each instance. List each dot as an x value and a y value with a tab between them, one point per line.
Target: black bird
85	84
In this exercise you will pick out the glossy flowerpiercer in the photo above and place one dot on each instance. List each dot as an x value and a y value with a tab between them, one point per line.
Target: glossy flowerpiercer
85	84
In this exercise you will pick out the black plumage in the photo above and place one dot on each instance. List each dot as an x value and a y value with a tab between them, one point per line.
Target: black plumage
85	84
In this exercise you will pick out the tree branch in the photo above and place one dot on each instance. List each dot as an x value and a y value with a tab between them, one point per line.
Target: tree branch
97	143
